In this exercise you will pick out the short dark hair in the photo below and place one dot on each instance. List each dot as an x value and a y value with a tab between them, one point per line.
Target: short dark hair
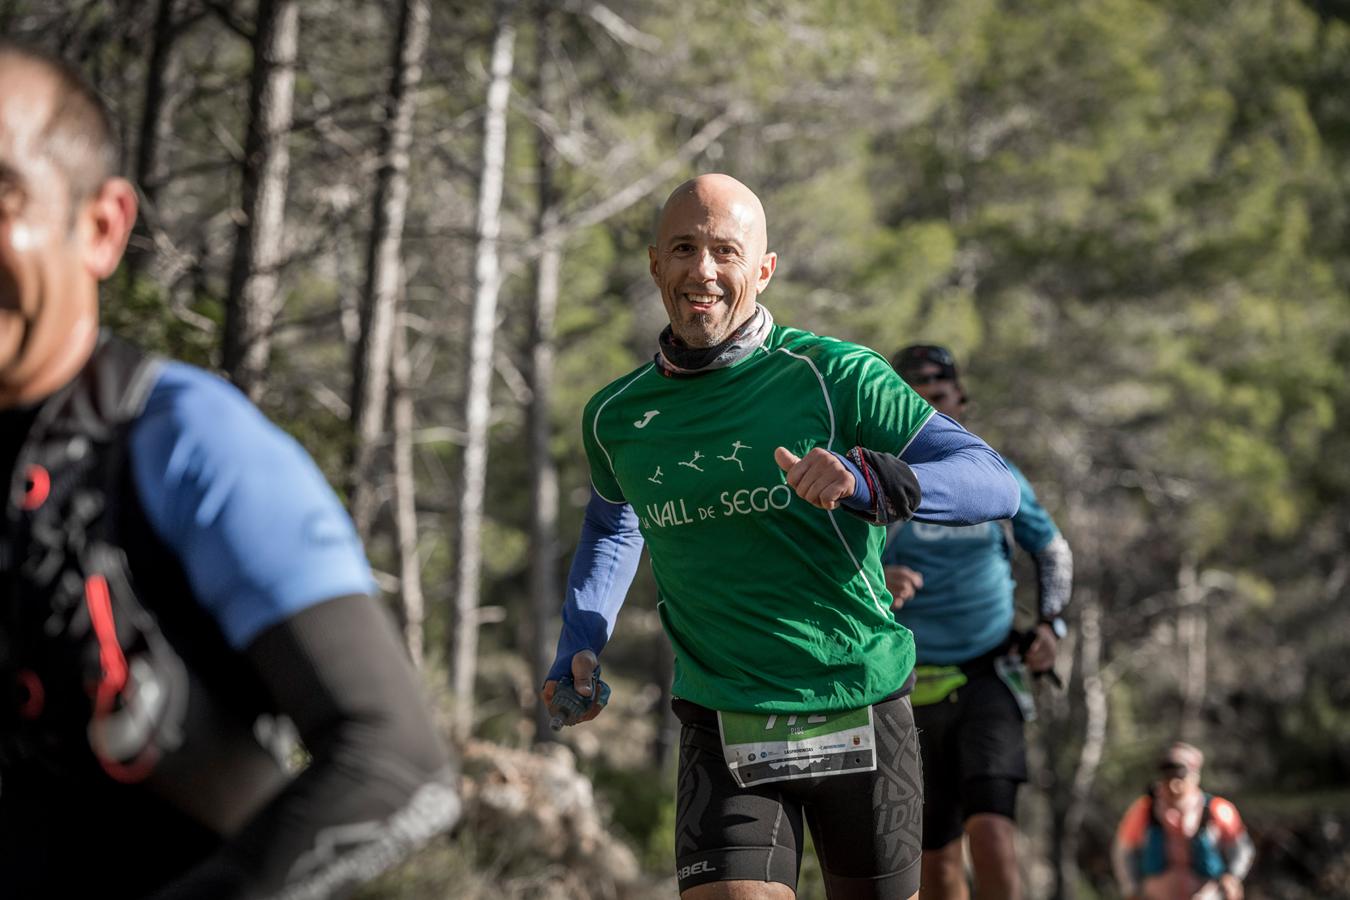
79	137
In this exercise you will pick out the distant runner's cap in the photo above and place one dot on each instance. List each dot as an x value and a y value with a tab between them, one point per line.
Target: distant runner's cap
1181	759
911	361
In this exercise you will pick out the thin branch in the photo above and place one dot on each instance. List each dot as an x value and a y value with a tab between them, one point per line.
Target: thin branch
225	13
619	29
330	400
626	197
440	434
204	167
186	24
511	375
227	140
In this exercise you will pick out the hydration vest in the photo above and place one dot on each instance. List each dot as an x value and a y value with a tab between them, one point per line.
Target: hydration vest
1206	859
94	605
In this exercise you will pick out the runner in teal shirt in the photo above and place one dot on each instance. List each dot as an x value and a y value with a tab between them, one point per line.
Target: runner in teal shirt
953	589
965	608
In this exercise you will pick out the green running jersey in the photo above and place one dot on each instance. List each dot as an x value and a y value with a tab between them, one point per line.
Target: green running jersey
771	604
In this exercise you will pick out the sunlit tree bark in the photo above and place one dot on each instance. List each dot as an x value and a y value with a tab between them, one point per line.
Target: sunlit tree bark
252	303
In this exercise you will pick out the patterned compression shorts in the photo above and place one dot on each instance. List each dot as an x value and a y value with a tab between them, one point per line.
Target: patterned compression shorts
866	827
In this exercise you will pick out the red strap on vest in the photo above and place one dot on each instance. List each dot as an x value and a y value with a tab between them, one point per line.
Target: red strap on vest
113	680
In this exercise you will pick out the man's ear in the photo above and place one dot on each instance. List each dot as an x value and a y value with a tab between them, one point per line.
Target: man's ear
767	264
652	266
105	224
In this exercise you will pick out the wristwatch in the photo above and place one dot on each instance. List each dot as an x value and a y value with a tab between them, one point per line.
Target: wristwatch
1057	626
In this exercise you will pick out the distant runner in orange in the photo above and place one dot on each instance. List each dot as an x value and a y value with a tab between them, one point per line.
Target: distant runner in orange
1178	842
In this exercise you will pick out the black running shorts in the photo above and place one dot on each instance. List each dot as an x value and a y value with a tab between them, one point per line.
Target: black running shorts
974	757
866	827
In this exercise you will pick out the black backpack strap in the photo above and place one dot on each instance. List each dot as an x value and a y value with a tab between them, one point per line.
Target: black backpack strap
111	390
59	518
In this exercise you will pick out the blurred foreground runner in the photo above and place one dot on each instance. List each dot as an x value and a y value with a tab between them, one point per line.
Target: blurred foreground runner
174	571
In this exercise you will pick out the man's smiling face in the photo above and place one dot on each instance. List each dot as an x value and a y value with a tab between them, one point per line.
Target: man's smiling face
709	261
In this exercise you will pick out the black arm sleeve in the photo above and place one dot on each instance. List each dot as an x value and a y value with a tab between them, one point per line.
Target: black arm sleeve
378	784
892	483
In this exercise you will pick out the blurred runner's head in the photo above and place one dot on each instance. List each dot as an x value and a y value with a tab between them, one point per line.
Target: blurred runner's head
64	221
1179	769
931	371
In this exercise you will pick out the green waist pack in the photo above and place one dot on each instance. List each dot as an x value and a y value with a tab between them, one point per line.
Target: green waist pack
932	684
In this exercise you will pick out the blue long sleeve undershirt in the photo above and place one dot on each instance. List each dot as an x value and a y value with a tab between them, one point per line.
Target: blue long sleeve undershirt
962	479
603	567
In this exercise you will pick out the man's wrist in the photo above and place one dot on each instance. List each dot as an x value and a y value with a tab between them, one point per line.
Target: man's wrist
861	498
1058	627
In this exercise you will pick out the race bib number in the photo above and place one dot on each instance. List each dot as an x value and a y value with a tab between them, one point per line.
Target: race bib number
760	749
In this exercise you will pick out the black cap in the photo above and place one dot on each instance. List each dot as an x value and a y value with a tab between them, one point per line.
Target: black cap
915	357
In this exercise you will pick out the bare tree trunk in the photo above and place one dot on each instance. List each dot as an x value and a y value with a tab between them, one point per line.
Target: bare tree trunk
544	552
1063	731
370	384
478	400
1094	741
252	303
1193	638
156	111
405	499
544	594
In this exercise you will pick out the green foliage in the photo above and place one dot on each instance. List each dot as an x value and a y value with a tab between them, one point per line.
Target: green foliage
643	804
137	311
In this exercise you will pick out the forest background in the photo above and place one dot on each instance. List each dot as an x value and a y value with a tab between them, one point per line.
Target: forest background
414	233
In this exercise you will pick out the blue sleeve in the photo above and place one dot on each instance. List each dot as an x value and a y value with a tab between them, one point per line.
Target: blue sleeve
1033	529
962	479
258	530
602	569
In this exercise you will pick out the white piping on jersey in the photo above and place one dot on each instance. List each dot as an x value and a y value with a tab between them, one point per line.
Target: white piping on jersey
825	392
931	413
595	428
606	499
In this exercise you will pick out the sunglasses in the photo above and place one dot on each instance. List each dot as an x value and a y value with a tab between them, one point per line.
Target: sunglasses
928	378
927	353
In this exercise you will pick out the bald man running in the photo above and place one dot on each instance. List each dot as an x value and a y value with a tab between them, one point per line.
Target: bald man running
759	462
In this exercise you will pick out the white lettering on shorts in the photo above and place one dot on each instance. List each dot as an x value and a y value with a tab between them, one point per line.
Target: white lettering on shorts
695	869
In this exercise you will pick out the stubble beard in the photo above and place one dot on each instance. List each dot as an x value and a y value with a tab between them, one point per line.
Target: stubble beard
703	330
711	328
